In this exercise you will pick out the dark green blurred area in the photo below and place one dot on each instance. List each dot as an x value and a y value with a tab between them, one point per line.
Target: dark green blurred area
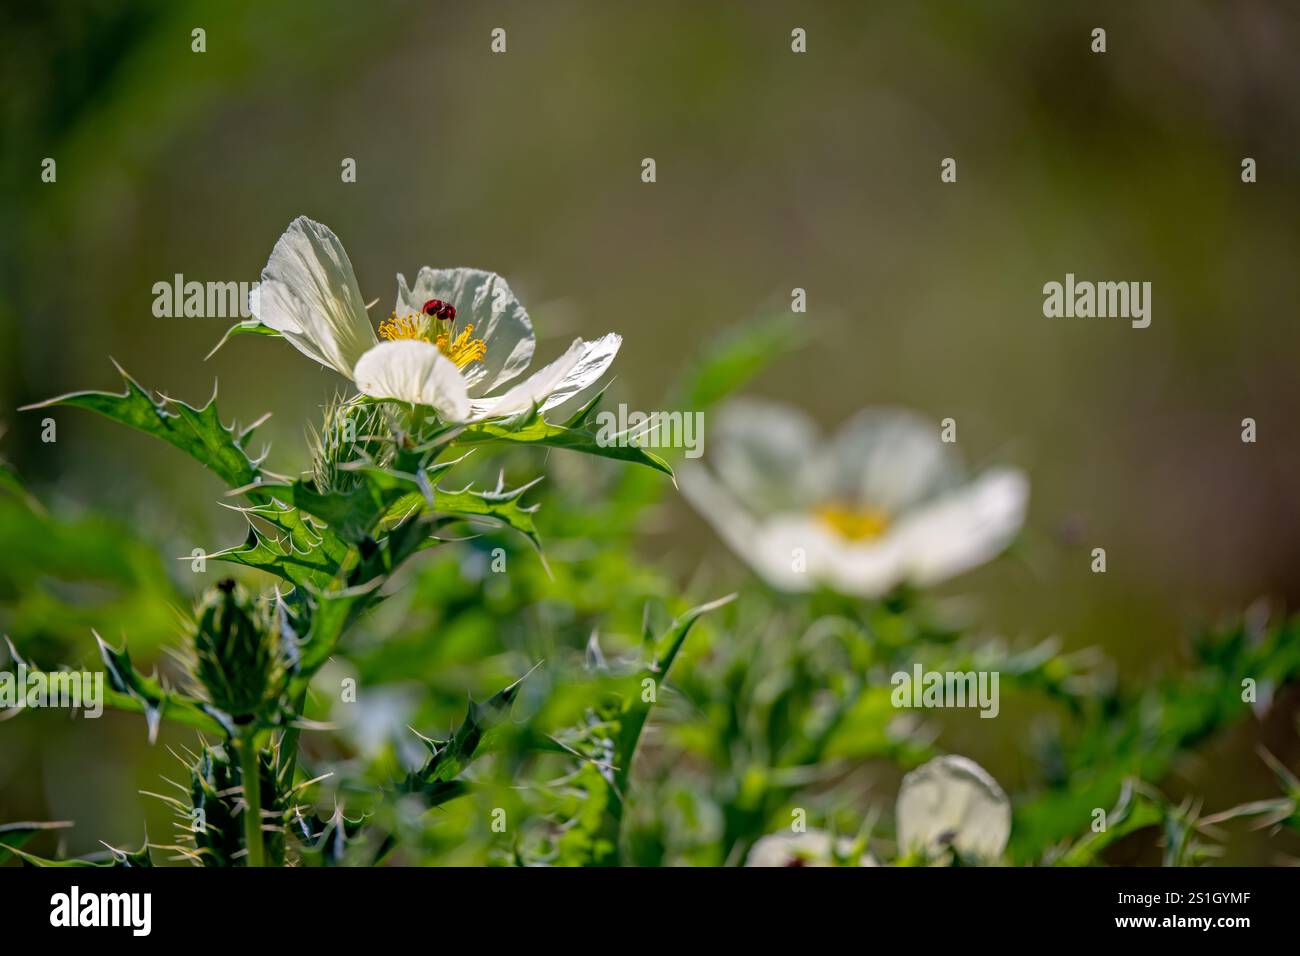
775	171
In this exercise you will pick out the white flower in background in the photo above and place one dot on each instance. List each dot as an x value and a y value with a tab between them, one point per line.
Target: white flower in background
454	338
952	802
811	848
881	503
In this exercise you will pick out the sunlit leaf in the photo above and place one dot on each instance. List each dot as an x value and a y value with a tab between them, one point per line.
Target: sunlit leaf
196	431
535	430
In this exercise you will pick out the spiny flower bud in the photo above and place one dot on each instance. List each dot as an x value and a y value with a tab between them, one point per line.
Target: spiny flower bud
238	655
214	820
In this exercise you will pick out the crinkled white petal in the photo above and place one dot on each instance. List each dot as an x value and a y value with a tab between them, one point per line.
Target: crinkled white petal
953	801
533	390
413	371
309	295
962	529
593	361
485	300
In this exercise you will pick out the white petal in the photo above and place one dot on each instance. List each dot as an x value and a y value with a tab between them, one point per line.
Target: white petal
812	848
768	546
964	528
951	535
867	569
309	294
953	800
595	358
413	371
790	849
765	453
533	390
891	459
485	300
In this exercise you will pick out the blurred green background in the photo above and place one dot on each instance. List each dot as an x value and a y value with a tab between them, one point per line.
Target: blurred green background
775	171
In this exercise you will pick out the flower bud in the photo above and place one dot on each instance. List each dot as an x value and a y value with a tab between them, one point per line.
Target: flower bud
239	662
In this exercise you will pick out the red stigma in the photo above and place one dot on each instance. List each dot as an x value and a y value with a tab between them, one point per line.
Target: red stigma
439	309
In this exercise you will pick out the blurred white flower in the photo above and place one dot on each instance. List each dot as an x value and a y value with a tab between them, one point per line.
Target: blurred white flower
811	848
952	802
881	503
452	338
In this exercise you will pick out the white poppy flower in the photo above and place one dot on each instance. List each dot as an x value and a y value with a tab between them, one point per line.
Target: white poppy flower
811	848
953	802
881	503
454	337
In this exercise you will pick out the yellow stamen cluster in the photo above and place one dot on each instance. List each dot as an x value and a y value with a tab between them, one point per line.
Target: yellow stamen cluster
461	348
853	522
394	328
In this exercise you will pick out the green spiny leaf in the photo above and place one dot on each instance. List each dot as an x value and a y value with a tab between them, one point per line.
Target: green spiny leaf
632	722
282	541
14	835
246	327
476	735
196	431
131	690
115	859
502	505
535	430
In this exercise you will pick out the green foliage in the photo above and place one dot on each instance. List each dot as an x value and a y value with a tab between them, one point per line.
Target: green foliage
242	656
1140	734
649	734
112	857
479	733
620	722
196	431
374	498
131	690
63	576
212	825
535	430
14	835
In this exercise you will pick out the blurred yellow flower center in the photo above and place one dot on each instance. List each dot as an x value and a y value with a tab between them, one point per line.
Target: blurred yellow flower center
852	522
461	349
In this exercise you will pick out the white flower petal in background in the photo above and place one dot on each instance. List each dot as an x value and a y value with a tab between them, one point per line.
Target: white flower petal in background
309	294
864	569
882	504
764	452
812	848
766	546
484	300
893	458
415	372
964	528
952	801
